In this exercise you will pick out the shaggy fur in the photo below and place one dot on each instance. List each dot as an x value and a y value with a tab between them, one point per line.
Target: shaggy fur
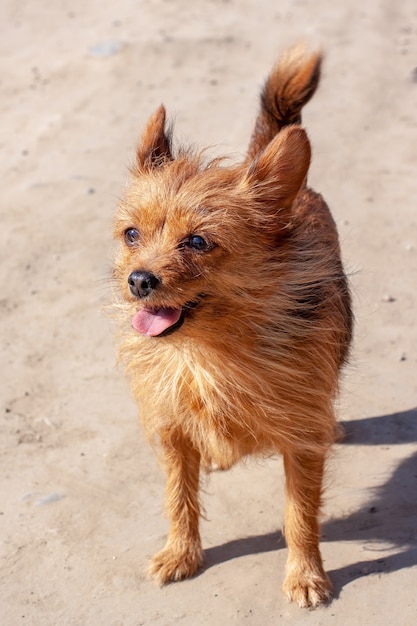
242	320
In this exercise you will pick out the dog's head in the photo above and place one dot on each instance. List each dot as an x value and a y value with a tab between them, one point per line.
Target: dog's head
195	236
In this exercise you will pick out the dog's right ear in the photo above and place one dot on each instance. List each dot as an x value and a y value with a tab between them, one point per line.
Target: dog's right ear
155	145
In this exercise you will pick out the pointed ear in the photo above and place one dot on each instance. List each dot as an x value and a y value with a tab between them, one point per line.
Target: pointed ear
277	174
155	144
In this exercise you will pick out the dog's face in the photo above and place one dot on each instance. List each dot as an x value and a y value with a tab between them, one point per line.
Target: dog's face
193	236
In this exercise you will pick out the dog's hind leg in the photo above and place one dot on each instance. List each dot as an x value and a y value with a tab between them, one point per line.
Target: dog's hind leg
306	581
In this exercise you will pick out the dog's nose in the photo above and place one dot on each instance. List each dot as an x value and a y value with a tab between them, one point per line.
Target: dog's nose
142	283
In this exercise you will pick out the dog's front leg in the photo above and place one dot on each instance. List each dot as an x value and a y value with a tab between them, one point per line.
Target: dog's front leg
306	581
182	555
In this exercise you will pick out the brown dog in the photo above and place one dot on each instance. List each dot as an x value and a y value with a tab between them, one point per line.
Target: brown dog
236	318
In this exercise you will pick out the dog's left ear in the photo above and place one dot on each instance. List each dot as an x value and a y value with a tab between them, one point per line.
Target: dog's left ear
278	172
155	145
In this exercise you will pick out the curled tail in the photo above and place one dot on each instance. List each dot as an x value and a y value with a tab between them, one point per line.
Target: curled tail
289	87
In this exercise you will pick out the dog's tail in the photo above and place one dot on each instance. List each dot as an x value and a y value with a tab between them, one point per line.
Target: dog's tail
289	87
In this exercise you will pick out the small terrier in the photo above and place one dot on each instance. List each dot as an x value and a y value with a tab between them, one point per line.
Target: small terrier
236	318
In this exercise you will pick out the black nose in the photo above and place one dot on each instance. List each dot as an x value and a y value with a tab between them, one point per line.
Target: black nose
142	283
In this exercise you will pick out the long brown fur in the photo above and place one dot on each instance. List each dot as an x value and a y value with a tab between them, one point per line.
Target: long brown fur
254	367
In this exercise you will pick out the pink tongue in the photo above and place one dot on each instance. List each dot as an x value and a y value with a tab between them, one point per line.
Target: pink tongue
153	322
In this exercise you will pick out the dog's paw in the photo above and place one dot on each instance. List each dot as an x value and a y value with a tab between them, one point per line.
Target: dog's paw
171	565
308	588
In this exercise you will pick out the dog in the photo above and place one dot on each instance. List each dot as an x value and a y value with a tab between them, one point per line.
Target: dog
235	318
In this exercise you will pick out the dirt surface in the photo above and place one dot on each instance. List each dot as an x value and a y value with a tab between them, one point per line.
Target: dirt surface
82	494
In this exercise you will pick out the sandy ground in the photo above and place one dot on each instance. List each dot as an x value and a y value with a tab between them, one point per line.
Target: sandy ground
81	492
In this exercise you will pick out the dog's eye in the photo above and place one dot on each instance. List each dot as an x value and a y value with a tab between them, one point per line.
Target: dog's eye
131	236
198	243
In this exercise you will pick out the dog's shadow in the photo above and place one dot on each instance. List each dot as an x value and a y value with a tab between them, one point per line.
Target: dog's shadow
388	519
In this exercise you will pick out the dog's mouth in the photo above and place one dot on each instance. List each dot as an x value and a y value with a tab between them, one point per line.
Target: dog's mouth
163	321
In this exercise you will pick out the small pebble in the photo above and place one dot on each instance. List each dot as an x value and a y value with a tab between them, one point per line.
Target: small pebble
106	49
52	497
388	298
